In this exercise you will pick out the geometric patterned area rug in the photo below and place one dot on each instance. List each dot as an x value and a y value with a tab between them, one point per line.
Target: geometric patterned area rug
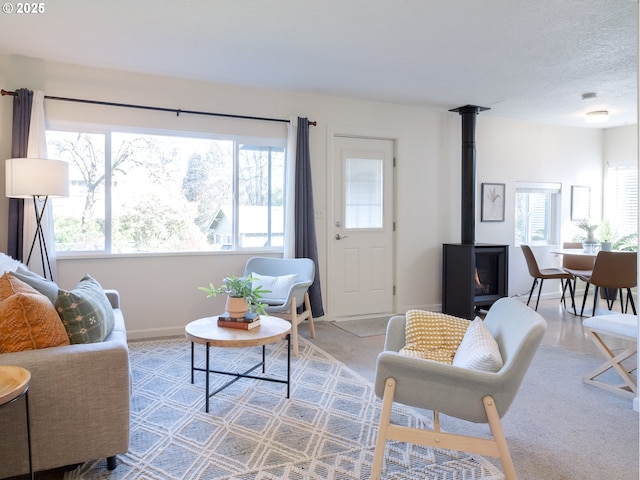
325	430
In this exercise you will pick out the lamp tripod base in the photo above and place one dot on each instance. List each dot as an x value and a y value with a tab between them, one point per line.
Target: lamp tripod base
39	237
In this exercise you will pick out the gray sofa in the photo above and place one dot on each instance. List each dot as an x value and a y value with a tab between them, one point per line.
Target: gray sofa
79	404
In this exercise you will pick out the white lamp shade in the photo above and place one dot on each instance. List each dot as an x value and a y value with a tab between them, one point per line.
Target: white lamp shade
28	177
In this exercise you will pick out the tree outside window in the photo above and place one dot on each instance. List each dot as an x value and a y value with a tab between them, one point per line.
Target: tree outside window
135	192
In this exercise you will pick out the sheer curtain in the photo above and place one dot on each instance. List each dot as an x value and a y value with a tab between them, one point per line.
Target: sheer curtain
37	148
290	196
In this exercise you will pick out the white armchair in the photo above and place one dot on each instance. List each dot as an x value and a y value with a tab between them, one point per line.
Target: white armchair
288	279
472	395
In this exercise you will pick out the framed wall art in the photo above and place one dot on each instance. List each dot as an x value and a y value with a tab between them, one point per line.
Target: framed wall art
492	202
580	202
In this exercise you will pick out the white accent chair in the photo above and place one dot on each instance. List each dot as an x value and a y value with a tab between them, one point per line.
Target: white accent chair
285	303
472	395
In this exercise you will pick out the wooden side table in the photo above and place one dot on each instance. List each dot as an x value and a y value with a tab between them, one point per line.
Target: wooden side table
206	331
14	383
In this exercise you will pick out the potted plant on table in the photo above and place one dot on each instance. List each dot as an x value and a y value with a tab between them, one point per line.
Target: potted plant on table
606	236
242	295
589	228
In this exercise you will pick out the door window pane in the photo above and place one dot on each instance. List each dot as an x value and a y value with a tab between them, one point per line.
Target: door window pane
363	193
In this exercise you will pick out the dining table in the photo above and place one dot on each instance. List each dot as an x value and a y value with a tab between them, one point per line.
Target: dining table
575	251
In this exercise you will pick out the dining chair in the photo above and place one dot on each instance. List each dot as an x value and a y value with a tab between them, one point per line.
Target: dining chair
613	272
576	265
542	274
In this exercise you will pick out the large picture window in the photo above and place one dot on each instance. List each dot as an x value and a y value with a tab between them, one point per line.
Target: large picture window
138	192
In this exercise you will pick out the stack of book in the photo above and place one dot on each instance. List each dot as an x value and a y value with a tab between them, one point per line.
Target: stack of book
249	321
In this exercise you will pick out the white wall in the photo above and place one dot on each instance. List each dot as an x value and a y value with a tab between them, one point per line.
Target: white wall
159	293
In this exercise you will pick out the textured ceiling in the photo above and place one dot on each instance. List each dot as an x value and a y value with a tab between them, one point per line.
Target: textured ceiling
529	60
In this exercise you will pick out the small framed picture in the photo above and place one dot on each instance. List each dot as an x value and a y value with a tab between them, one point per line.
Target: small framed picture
580	202
492	204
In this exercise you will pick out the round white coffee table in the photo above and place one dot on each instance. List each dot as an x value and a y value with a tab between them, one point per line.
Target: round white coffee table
206	331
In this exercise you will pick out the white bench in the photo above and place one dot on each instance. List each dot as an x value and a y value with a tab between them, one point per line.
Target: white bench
620	326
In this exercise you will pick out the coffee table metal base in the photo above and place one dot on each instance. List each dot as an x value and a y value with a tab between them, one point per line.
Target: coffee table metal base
238	376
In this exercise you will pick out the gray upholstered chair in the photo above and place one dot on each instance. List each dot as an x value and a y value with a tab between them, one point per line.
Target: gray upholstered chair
288	279
472	395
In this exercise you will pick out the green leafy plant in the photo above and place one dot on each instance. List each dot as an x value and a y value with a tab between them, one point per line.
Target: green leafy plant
589	228
606	232
626	243
240	287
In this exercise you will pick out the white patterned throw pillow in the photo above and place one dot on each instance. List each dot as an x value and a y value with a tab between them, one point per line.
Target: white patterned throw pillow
478	349
279	286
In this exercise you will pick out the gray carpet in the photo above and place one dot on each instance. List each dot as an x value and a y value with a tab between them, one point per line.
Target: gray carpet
326	430
368	327
561	429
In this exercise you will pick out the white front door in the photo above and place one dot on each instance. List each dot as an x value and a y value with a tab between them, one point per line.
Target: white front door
361	250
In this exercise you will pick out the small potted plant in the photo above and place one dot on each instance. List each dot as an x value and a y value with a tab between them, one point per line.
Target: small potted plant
242	296
606	236
589	228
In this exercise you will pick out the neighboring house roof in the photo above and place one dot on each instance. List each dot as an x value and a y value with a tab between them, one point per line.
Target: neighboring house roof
252	219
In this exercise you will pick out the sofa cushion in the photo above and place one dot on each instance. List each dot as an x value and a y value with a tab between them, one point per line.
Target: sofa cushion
28	320
433	335
85	311
41	284
478	349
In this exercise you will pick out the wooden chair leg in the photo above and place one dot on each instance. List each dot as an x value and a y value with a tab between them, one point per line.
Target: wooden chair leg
385	419
497	446
307	306
499	438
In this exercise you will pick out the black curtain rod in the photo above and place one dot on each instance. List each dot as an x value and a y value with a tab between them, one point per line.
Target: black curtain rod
158	109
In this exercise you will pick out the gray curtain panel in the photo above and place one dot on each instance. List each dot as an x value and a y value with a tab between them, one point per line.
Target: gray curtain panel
22	101
306	244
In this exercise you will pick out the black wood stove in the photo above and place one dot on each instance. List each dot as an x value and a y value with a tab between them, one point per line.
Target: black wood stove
474	275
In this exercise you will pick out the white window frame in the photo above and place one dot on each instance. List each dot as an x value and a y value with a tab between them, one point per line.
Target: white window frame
108	130
551	222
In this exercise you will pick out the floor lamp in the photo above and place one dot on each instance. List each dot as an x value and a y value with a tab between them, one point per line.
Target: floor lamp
37	178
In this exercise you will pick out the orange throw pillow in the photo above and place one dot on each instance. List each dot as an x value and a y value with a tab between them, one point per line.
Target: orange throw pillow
28	319
10	285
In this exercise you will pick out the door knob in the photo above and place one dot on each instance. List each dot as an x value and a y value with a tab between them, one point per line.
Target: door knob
340	237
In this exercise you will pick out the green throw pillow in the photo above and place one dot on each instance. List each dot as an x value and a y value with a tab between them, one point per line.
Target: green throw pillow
85	312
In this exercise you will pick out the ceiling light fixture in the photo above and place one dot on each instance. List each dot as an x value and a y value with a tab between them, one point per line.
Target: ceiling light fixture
597	116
